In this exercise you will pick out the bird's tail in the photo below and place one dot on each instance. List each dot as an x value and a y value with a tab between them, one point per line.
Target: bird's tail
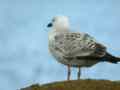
111	58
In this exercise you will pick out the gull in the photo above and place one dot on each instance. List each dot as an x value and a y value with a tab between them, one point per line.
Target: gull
75	49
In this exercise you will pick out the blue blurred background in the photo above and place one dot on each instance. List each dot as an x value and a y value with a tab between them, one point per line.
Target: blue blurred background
24	55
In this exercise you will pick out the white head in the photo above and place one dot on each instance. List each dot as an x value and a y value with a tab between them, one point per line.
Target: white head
59	23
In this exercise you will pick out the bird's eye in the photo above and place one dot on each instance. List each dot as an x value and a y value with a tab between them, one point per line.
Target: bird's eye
53	20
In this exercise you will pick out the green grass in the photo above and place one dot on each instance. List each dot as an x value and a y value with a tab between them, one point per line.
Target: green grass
78	85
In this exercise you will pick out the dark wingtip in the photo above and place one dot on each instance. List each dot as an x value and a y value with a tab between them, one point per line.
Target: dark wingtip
112	58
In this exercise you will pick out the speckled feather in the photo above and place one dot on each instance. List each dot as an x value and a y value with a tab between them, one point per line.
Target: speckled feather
75	46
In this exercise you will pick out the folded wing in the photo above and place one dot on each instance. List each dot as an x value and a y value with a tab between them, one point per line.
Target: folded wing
77	45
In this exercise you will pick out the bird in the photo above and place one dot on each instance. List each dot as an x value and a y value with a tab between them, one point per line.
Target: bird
75	49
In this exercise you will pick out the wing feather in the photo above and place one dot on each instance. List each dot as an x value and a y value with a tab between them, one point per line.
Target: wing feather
78	45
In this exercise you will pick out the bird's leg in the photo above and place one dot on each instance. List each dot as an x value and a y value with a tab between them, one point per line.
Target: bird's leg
79	72
69	72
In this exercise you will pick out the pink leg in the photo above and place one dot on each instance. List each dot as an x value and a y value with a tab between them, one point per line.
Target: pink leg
79	72
69	72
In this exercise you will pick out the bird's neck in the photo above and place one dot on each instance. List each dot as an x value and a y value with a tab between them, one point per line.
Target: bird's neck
60	29
55	32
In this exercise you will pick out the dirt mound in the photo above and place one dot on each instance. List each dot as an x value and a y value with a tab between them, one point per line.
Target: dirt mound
78	85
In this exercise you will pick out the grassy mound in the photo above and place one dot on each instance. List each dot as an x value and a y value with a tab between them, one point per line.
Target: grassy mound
78	85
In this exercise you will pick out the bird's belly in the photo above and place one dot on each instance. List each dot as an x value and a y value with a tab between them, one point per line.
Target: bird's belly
73	62
78	63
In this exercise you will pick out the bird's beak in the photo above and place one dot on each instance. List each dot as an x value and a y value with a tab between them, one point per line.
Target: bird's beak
49	25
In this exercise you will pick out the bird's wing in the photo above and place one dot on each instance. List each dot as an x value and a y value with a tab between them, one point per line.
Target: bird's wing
78	44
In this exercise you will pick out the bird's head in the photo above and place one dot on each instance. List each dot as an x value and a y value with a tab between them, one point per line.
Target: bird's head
59	23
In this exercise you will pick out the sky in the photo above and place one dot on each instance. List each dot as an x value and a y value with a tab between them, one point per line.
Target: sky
24	55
